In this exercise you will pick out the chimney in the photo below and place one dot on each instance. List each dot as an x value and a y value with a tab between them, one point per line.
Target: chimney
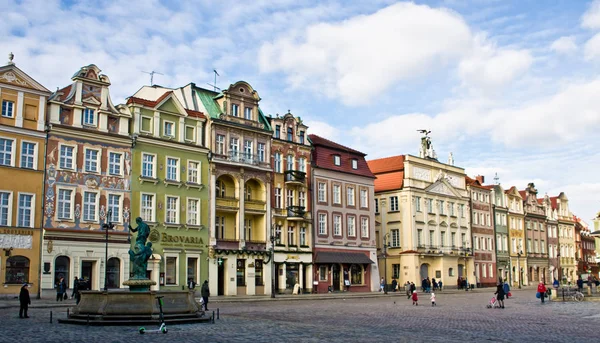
480	178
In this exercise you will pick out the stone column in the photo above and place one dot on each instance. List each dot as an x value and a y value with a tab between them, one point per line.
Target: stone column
20	105
283	277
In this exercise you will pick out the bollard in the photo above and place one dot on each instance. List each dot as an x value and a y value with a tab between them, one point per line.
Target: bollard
50	317
563	294
88	320
67	312
213	317
217	313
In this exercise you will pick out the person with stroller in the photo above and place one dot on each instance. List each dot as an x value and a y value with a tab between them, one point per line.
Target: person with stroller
542	290
500	295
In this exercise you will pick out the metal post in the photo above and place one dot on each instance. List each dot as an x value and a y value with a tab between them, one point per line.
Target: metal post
107	226
51	317
385	264
273	261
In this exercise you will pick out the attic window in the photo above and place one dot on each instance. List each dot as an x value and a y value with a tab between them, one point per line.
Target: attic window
337	160
241	90
354	163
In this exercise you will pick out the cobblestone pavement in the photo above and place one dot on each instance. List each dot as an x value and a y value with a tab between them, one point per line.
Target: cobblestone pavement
459	317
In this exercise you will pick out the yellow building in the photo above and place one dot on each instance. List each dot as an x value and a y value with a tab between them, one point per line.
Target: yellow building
566	239
22	148
516	236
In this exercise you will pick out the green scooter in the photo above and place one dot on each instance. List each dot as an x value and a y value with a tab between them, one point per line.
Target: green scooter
163	326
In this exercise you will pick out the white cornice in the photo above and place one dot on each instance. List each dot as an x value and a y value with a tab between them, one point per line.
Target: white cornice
90	135
22	131
173	145
25	89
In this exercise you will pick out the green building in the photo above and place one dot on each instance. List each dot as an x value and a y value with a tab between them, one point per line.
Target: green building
169	185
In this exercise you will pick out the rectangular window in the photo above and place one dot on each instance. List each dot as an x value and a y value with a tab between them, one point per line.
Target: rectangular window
302	199
89	206
241	273
322	192
302	236
484	270
290	197
429	205
441	205
350	196
28	155
248	229
323	273
5	208
418	204
290	239
148	165
289	161
277	131
302	164
364	198
395	238
475	218
376	205
248	113
189	133
193	172
8	108
261	152
172	169
463	239
6	151
364	227
193	211
453	238
114	206
258	273
431	238
64	203
24	218
336	194
277	197
220	227
234	148
543	247
337	160
220	145
172	210
171	270
351	226
419	238
451	207
89	117
462	210
322	224
277	161
248	150
235	108
301	137
476	243
354	164
148	207
114	163
394	203
443	239
337	225
146	125
66	156
290	134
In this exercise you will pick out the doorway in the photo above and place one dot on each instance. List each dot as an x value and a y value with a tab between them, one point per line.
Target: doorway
291	278
221	278
425	271
87	272
335	272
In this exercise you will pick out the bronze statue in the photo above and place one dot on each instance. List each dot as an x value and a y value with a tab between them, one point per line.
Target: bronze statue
142	251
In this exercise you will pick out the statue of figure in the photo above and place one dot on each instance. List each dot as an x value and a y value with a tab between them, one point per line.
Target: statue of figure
142	251
143	231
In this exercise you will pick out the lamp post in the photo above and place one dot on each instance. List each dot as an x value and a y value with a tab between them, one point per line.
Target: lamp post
385	245
558	264
519	253
107	226
272	238
466	269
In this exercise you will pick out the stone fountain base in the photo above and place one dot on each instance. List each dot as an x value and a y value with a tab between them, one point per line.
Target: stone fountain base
135	308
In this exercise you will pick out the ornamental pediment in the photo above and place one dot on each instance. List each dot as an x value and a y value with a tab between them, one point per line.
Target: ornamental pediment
11	75
442	187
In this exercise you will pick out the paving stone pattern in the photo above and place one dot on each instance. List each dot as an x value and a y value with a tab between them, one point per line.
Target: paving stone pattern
458	317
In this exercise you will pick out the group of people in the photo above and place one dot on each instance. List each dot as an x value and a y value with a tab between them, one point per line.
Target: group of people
79	284
204	292
426	285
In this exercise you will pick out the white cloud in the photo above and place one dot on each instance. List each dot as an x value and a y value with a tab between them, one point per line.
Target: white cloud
323	129
564	45
584	198
591	18
591	49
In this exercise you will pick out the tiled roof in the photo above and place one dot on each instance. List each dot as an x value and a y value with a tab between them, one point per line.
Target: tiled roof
195	114
475	183
523	194
153	104
389	181
317	140
387	164
140	101
325	150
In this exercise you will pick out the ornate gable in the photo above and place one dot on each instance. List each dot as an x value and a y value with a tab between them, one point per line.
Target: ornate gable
442	187
11	75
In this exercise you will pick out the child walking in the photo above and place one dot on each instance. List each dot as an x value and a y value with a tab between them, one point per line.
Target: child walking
433	299
415	298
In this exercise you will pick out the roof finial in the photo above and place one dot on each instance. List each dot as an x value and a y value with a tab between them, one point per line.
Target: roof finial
496	179
10	58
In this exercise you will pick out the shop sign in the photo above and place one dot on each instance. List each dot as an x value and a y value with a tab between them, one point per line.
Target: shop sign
167	239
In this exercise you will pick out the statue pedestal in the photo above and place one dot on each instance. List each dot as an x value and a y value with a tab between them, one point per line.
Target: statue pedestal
139	285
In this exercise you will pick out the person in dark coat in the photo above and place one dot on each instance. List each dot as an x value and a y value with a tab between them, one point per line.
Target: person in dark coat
75	288
61	289
500	294
205	292
25	301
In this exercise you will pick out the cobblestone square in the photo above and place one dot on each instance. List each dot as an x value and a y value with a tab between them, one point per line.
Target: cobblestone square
458	317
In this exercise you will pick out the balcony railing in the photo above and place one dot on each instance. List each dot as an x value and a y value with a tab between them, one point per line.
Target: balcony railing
256	205
296	212
240	157
227	202
295	176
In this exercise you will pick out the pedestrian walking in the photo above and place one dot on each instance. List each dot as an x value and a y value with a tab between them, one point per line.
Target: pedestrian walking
381	285
407	289
75	287
24	300
205	292
433	299
440	285
542	290
580	284
506	289
61	289
415	298
500	294
394	285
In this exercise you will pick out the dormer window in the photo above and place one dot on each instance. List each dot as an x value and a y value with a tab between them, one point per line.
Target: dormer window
277	131
337	160
168	129
248	113
89	117
235	110
354	163
290	134
301	137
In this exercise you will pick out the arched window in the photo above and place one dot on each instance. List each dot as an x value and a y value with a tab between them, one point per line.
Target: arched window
17	269
450	271
356	274
248	192
114	272
61	268
220	189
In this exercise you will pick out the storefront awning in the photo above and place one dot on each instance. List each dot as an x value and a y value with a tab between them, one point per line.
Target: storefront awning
342	257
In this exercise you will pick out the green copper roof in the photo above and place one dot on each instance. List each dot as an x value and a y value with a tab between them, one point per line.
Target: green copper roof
208	100
263	119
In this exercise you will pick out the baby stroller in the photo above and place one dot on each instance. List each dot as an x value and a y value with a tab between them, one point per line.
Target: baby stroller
493	303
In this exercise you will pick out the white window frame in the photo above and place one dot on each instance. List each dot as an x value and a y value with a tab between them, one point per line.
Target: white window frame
13	148
277	193
198	171
220	144
154	157
351	224
176	210
31	209
188	212
302	164
235	110
393	203
364	198
185	137
142	124
337	160
337	197
350	196
33	157
197	257
73	191
322	223
119	206
94	117
248	113
111	164
164	128
302	236
98	159
302	198
364	227
395	235
176	277
337	225
289	162
8	208
277	162
289	197
177	168
261	151
322	192
96	204
12	109
354	163
153	208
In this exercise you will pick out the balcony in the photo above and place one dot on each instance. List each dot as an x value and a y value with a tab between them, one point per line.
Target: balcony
228	244
240	157
295	212
227	203
295	177
254	205
256	245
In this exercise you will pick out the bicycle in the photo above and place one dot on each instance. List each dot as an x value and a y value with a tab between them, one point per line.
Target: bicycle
577	296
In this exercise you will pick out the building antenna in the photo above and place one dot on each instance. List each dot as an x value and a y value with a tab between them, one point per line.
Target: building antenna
151	73
214	85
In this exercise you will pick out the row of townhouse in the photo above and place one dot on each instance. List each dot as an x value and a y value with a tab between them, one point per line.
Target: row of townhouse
433	221
253	203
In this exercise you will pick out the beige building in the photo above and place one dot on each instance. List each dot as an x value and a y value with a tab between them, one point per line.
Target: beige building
422	215
566	238
516	236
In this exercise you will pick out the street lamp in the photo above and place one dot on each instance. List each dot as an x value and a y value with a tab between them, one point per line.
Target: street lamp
107	226
519	253
466	251
385	245
272	239
558	263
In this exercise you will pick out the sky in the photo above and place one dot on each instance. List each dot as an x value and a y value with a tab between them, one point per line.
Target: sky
509	87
